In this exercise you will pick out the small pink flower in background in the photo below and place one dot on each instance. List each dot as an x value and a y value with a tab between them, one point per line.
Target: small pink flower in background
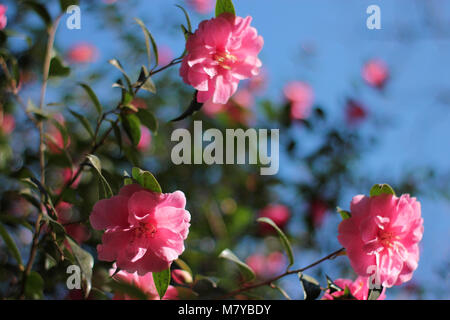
82	53
358	288
165	55
355	112
139	103
79	232
237	108
266	266
382	237
301	97
278	213
258	83
317	211
221	52
202	6
146	139
145	283
375	72
55	140
3	18
181	276
68	174
7	123
145	231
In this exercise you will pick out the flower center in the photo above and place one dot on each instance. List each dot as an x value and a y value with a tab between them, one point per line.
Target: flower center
145	229
387	238
224	59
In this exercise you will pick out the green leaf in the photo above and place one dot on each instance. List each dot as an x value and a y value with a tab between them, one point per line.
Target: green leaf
57	68
284	240
247	272
379	189
127	289
223	6
184	266
41	10
344	214
149	40
188	20
146	180
103	182
38	113
34	286
311	287
162	281
132	126
148	119
84	122
117	134
61	130
86	262
145	82
116	63
93	97
10	244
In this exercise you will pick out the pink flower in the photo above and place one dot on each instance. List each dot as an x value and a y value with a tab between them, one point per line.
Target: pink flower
7	123
145	283
55	140
375	72
181	276
258	83
359	289
68	174
266	267
3	18
201	6
80	233
277	213
139	103
146	139
301	97
83	53
381	237
237	108
317	210
355	112
165	55
223	51
145	231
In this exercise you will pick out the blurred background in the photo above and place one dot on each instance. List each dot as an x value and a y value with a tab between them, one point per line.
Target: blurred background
354	107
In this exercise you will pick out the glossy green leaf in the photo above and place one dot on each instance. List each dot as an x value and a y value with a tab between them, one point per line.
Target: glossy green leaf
93	97
86	262
132	126
146	180
106	188
344	214
379	189
57	68
223	6
148	119
149	41
162	281
246	271
34	286
84	122
284	240
10	244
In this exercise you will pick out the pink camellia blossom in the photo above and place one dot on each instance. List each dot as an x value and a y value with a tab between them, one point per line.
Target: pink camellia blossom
258	83
381	237
375	72
221	52
278	213
301	98
7	123
55	140
79	232
355	112
317	211
145	283
202	6
82	53
68	174
146	139
266	266
237	108
145	231
165	55
3	18
358	288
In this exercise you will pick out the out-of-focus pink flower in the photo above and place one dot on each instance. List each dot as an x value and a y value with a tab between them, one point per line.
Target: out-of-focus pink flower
258	83
317	210
3	18
55	140
146	139
145	231
145	283
375	72
181	276
221	52
68	174
82	53
7	123
266	267
355	112
139	103
202	6
79	232
301	97
165	55
278	213
359	289
381	237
